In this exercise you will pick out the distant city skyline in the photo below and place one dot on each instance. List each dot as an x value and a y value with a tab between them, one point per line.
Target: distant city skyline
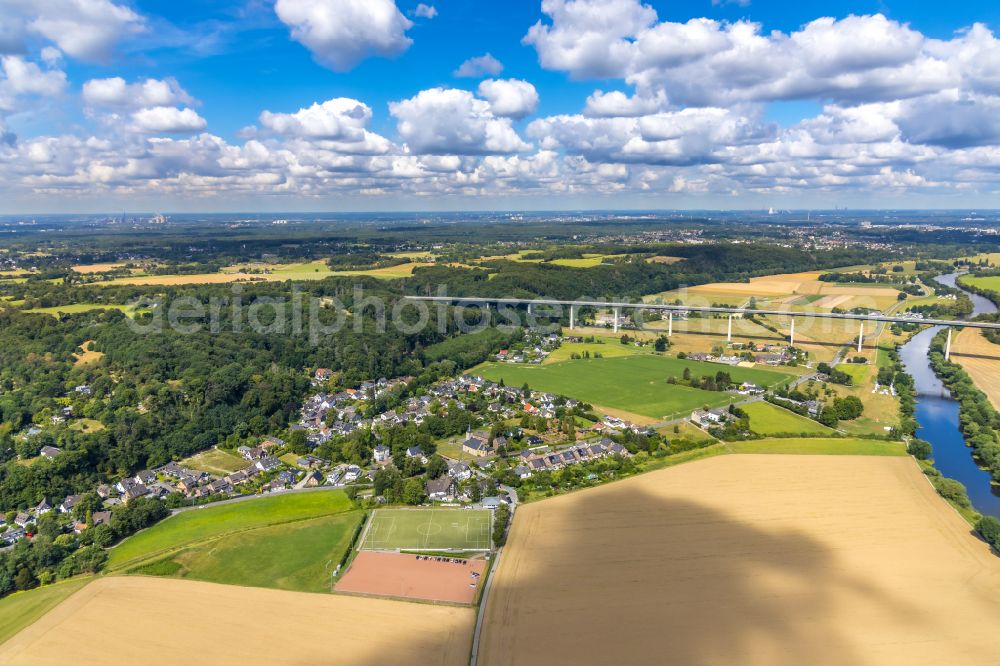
394	105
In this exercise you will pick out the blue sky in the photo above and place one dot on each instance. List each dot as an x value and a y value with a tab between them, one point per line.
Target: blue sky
731	124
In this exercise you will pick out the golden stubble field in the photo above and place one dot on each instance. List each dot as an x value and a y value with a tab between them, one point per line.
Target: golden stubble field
981	359
790	289
747	560
166	621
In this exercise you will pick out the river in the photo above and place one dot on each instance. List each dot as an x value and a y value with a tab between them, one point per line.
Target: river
937	414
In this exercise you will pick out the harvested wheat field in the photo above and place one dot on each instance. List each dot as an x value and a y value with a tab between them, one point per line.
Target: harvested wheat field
746	559
981	359
157	621
780	289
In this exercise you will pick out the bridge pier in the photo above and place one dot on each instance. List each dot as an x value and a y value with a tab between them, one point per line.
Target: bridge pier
572	317
947	346
670	324
729	330
861	336
617	315
791	336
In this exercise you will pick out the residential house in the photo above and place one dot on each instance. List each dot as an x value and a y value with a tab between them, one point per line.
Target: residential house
310	462
267	464
708	419
43	507
50	451
12	534
351	473
251	453
137	490
159	489
459	471
22	519
145	477
382	453
188	484
441	489
69	503
271	442
416	452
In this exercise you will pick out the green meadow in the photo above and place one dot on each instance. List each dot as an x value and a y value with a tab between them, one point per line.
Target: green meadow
857	371
768	419
299	556
209	522
991	283
635	383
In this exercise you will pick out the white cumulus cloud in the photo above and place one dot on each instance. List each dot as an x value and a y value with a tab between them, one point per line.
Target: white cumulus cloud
509	97
479	66
20	77
84	29
115	92
168	119
342	33
425	11
451	121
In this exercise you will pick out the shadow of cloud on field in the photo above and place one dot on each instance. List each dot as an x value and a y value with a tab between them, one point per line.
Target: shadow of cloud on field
689	585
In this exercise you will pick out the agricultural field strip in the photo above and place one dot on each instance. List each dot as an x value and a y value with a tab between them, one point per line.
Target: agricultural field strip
756	554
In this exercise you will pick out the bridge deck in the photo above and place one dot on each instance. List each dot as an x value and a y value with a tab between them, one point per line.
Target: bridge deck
481	300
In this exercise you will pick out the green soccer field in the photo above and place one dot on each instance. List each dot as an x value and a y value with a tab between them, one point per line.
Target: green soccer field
429	529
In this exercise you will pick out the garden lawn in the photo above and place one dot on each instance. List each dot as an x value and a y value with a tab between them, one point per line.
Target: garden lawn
847	446
768	419
635	384
299	556
195	525
20	609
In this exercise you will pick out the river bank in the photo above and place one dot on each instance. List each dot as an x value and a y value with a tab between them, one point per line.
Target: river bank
937	414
